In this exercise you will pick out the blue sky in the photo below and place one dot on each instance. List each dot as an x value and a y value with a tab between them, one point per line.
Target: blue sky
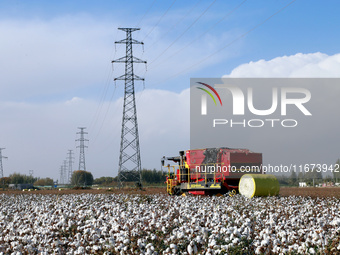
57	54
302	27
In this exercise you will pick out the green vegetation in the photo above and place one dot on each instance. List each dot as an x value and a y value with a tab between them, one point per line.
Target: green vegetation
17	178
44	182
312	177
81	178
155	177
106	181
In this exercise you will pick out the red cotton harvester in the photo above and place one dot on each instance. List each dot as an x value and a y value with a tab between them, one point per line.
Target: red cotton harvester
210	171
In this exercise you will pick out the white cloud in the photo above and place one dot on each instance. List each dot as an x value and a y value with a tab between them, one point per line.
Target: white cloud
317	140
41	58
37	136
299	65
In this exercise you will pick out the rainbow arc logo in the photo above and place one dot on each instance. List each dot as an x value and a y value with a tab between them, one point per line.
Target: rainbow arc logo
204	96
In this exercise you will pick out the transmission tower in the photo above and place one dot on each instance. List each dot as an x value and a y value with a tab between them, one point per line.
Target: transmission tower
70	162
82	147
65	172
61	174
129	157
1	166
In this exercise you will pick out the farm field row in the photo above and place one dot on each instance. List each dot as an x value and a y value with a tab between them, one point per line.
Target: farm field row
284	191
89	223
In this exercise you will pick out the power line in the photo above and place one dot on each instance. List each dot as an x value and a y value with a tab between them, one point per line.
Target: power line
101	101
206	31
104	93
159	20
178	22
190	26
147	11
105	115
227	45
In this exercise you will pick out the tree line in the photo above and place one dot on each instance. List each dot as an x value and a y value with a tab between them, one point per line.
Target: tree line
311	177
85	178
148	177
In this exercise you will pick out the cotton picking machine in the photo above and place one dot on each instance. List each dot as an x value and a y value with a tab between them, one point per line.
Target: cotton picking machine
218	171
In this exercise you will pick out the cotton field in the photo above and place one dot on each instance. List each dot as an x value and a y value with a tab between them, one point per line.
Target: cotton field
160	224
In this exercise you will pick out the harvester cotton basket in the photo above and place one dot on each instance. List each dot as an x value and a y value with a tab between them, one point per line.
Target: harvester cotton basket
259	185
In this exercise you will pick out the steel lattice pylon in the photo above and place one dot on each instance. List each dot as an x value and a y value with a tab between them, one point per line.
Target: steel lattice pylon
70	162
81	147
129	158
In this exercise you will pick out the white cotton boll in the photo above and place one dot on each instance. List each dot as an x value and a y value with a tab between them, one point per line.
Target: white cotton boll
258	250
194	246
173	246
80	250
212	243
231	237
236	233
236	241
275	249
265	242
96	247
311	251
190	250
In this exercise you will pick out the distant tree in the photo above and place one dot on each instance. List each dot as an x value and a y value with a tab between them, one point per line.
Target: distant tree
314	173
293	179
301	177
283	180
336	171
4	181
104	180
148	176
44	182
17	178
153	176
313	176
80	178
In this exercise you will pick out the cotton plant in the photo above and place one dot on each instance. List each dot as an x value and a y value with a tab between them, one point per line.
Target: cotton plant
161	224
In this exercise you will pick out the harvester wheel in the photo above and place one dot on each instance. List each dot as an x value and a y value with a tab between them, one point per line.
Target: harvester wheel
177	191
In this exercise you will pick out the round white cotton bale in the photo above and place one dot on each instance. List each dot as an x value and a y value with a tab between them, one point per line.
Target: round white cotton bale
251	185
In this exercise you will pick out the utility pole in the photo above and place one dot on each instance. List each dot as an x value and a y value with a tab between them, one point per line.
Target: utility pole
129	157
70	162
82	147
2	169
1	166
